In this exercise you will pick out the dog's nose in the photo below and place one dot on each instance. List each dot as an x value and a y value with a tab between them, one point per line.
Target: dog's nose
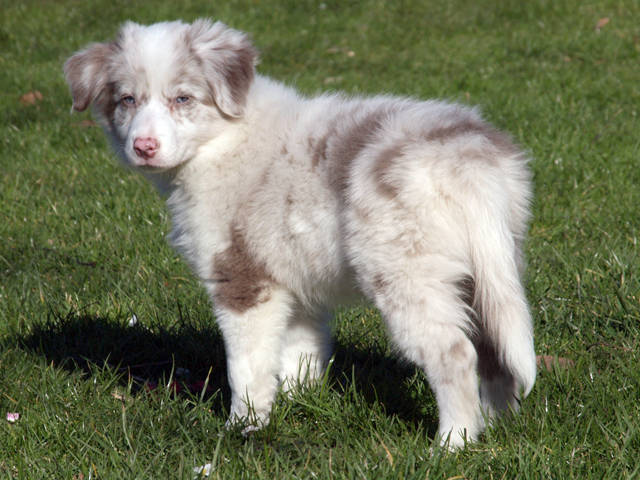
145	147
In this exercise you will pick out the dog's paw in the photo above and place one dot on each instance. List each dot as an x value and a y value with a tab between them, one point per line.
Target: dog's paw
250	429
247	424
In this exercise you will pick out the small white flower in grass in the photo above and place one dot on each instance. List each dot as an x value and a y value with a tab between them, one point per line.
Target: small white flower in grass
203	471
133	320
13	417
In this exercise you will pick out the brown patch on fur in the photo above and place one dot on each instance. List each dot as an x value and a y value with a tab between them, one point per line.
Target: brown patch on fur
381	169
442	134
240	71
241	281
379	284
349	145
498	139
502	141
457	351
284	150
319	148
107	105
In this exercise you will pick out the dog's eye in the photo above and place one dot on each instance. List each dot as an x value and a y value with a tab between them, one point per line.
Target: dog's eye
182	99
128	100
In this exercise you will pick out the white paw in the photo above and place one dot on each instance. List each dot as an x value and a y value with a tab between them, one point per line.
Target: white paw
251	422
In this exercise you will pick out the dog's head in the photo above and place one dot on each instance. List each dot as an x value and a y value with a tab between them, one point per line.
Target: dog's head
161	91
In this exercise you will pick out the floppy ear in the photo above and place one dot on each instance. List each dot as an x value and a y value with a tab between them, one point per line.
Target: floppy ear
228	59
86	75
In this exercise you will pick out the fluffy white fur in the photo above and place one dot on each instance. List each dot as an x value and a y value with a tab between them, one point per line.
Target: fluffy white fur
283	203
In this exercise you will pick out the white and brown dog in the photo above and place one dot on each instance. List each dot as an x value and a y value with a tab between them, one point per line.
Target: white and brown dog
279	201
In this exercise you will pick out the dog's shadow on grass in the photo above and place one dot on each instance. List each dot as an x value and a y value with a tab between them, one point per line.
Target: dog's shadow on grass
186	358
190	358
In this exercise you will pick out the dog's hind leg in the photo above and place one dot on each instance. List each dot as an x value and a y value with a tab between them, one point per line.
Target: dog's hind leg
428	321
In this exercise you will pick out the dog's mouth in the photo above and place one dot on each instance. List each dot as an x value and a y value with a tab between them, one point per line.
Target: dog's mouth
139	161
142	161
148	166
151	167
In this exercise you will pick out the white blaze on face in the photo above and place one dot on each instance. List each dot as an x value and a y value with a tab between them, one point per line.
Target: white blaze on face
147	123
151	140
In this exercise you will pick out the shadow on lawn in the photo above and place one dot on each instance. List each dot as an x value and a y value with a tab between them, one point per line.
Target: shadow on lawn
149	355
187	357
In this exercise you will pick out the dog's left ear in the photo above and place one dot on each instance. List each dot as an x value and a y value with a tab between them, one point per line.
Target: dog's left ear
228	59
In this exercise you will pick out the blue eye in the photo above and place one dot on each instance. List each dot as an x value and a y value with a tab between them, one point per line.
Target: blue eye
183	99
128	100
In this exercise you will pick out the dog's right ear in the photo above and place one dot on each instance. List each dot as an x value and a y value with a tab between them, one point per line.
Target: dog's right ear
86	75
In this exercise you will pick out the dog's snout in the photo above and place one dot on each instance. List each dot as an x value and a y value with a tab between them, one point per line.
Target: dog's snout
145	147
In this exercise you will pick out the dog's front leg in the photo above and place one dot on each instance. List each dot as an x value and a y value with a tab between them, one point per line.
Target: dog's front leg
253	341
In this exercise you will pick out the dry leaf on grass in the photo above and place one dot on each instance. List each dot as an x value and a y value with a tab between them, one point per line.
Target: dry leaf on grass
547	362
120	394
31	98
601	23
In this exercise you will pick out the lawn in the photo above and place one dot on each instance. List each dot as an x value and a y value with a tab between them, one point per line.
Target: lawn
109	351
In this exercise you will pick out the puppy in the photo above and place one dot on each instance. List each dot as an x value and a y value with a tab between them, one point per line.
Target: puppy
281	203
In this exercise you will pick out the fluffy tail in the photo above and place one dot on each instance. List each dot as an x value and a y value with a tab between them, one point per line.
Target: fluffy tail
499	297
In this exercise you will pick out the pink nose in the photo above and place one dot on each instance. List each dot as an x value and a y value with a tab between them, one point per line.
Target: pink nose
145	147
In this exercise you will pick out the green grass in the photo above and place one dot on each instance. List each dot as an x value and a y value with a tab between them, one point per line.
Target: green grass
82	251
